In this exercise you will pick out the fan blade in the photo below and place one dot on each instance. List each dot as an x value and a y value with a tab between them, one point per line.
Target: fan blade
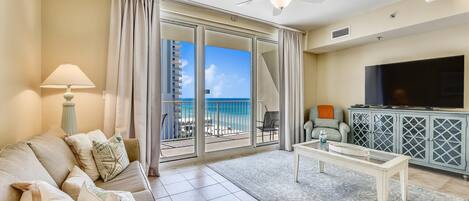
313	1
242	3
277	12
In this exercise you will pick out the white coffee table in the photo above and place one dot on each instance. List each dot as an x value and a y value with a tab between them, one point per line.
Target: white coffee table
382	165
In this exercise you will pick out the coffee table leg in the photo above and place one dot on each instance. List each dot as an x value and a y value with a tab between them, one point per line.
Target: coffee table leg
382	187
404	176
321	166
296	166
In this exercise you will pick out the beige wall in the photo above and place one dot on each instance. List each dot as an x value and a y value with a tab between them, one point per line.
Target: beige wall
310	81
341	74
75	32
20	69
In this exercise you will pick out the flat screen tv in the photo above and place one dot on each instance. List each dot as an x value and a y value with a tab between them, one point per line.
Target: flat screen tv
435	82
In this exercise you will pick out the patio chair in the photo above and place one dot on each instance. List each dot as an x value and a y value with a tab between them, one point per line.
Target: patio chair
270	123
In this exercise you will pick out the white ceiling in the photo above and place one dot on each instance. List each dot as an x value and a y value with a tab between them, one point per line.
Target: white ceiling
300	14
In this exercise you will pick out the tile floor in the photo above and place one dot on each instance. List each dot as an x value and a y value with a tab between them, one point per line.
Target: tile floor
195	183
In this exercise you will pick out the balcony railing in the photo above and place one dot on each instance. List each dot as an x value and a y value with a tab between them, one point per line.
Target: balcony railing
222	118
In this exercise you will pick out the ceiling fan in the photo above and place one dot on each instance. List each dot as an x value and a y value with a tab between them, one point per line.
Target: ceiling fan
279	5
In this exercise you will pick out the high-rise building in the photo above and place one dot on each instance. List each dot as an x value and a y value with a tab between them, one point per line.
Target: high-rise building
171	84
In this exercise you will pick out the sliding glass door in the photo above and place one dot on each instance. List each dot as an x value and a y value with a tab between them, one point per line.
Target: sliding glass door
228	70
178	133
268	102
219	90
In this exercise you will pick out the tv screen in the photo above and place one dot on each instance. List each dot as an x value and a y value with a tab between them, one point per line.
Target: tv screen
426	83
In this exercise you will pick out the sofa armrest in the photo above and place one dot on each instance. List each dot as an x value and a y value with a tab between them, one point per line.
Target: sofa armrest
133	149
344	129
309	129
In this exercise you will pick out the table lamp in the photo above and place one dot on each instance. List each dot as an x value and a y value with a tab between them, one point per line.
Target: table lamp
68	76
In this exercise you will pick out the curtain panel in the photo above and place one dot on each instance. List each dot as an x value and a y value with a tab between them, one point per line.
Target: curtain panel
133	97
291	90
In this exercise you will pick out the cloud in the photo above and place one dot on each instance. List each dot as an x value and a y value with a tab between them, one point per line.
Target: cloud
214	81
184	62
210	73
186	80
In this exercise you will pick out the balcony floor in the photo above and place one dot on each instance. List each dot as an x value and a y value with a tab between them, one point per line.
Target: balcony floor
213	143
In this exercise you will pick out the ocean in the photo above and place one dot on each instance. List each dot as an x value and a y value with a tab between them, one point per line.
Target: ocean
222	116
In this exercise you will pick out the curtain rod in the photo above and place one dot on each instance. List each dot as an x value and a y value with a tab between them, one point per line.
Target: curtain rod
192	3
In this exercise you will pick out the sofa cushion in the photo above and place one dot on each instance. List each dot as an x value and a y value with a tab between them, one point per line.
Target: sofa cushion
143	196
19	161
332	134
54	154
131	179
6	191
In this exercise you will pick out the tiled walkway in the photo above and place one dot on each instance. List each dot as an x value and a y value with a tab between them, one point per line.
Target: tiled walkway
195	183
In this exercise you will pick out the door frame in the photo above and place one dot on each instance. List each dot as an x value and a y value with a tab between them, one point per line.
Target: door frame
199	102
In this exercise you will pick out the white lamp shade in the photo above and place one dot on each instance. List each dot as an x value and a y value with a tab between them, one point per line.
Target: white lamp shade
280	4
67	75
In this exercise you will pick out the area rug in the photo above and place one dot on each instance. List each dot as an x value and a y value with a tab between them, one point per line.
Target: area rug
268	176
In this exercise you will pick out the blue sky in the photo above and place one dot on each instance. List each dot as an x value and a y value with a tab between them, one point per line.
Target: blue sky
227	72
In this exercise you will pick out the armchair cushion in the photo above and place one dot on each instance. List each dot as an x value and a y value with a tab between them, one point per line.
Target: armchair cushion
332	134
326	123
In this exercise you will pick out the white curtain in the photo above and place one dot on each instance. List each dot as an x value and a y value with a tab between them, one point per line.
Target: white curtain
291	91
132	106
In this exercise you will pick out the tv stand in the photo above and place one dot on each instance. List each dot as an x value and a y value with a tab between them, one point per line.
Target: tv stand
433	138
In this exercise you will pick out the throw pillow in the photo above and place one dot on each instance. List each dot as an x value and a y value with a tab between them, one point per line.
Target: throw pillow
110	157
93	193
81	145
75	180
326	123
40	191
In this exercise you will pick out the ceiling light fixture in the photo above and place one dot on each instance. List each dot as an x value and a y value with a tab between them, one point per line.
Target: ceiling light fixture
280	4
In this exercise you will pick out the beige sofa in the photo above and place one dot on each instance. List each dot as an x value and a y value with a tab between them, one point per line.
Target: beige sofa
48	158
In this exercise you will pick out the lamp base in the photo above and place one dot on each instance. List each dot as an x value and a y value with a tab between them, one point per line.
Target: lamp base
69	121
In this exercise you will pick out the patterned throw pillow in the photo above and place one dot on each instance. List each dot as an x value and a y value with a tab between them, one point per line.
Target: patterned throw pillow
93	193
110	157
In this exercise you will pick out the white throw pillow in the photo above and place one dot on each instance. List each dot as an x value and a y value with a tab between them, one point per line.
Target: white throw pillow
75	180
93	193
40	191
81	145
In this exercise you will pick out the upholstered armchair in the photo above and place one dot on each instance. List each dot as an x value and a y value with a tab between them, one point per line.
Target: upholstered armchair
328	118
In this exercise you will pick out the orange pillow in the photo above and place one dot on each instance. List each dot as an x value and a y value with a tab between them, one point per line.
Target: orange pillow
325	111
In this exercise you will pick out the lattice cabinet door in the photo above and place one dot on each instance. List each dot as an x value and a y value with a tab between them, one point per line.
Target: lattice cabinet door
447	142
383	131
361	127
414	137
